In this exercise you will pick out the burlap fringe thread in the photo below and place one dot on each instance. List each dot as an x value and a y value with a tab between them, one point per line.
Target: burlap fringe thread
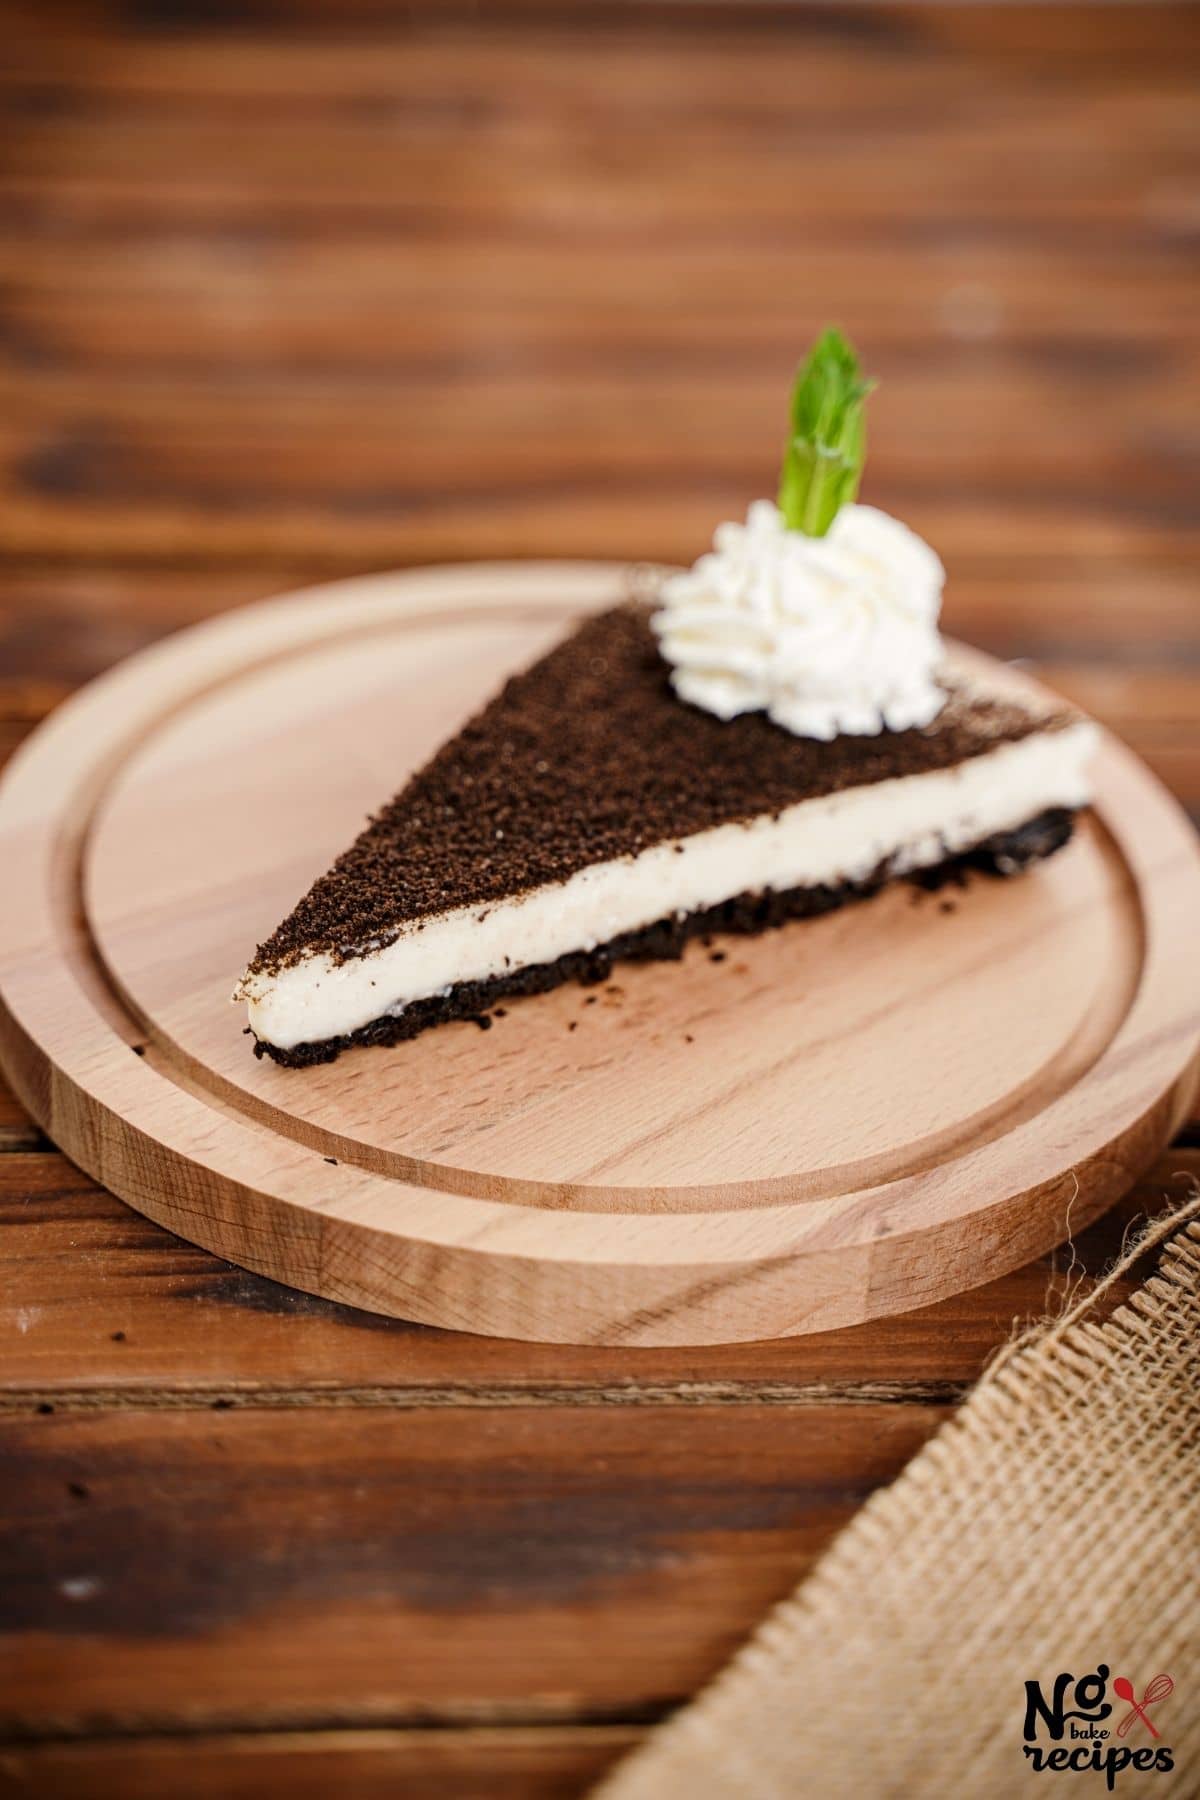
1053	1524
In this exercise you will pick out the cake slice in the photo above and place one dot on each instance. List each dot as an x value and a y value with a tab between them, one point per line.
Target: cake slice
782	736
588	814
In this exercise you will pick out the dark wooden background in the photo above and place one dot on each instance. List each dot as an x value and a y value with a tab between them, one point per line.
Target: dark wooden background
294	290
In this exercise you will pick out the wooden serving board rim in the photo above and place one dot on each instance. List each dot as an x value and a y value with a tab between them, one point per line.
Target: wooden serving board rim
275	1205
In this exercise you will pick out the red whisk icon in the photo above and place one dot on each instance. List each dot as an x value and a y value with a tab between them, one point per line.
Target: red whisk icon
1156	1690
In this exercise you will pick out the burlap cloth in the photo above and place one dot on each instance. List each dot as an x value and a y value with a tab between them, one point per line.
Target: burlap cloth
1053	1524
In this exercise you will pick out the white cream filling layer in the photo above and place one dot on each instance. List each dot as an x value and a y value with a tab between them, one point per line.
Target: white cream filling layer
912	822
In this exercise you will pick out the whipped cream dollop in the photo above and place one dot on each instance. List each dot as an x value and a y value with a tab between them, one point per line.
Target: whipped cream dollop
826	634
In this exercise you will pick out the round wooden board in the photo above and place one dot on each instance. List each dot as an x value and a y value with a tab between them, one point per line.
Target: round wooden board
850	1117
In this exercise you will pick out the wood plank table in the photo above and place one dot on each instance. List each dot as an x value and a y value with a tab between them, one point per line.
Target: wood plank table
327	288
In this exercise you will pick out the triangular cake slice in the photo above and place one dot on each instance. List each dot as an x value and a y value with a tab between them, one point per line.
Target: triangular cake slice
588	814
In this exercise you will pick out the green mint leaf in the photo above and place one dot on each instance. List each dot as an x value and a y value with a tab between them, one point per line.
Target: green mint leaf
823	462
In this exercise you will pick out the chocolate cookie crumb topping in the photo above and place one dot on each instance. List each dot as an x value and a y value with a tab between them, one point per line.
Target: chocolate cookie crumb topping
586	757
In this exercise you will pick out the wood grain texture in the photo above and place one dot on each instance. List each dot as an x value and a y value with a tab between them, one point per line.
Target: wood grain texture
682	1169
1130	632
375	1567
549	232
105	1309
546	1762
568	219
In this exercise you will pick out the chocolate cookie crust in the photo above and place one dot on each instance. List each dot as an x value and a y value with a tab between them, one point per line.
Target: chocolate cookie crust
1006	853
585	757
